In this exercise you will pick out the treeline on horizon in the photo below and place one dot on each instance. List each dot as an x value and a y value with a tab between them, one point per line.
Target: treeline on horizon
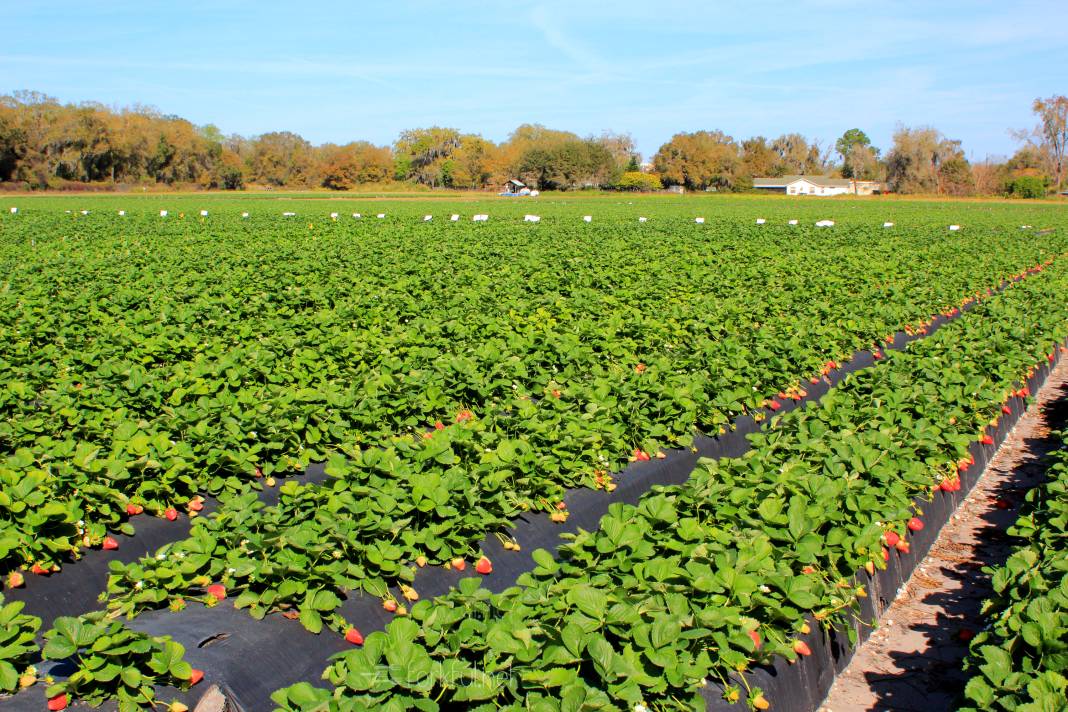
45	144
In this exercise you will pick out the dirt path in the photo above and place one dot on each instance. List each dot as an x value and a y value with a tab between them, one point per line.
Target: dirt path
913	662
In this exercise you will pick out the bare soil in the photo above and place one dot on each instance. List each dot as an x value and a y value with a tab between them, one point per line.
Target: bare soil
912	663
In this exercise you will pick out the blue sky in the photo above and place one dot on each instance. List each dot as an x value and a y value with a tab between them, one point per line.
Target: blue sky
339	71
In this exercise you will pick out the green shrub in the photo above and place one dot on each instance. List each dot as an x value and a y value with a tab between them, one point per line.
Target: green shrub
636	180
1027	187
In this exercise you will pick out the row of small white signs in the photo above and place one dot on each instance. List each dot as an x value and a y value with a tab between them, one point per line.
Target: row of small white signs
526	218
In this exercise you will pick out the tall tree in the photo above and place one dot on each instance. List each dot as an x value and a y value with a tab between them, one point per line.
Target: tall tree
759	158
281	158
797	156
922	160
1053	133
426	152
700	160
860	160
346	167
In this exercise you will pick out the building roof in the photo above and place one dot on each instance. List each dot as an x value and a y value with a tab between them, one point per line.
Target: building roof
518	183
783	181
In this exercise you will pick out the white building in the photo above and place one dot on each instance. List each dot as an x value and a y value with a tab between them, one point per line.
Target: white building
817	185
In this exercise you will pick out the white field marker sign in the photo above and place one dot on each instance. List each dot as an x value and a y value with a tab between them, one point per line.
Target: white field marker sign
699	221
85	212
454	217
203	213
531	218
825	223
357	216
792	222
380	216
244	215
333	216
888	224
587	218
122	213
288	215
480	218
643	219
14	211
760	221
954	228
428	218
163	213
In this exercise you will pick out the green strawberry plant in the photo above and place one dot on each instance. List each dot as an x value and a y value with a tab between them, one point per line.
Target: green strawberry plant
113	662
703	580
152	361
18	645
1020	661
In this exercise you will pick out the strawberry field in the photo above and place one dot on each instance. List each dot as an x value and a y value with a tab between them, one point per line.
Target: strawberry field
306	417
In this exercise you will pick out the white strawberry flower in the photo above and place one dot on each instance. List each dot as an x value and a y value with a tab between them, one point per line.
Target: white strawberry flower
179	555
139	585
161	556
640	708
231	570
764	589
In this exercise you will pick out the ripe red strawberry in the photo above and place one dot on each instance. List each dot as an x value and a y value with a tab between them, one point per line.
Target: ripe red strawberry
641	455
886	554
170	513
15	579
1002	503
1050	357
774	405
110	544
640	368
756	638
987	440
902	546
59	702
196	504
813	380
134	509
801	648
877	355
464	415
965	634
217	591
390	605
195	676
438	425
915	524
891	538
40	570
484	566
458	564
354	636
561	505
808	570
1006	410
